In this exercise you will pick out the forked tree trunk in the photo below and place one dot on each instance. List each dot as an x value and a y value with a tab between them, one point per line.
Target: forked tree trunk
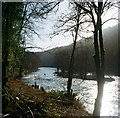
99	56
100	74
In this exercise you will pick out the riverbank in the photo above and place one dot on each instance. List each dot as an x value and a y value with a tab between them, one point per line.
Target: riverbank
24	100
83	76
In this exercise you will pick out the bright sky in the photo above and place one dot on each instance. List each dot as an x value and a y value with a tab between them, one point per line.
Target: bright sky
45	42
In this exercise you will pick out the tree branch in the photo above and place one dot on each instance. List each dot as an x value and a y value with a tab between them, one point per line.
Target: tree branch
109	20
88	11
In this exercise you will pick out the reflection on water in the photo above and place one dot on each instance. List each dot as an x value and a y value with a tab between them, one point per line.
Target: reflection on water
86	90
110	98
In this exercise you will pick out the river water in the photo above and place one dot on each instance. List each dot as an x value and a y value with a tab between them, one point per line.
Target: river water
86	90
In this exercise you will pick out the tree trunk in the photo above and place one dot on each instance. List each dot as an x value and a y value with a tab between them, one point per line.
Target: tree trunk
5	44
69	84
98	101
100	74
97	55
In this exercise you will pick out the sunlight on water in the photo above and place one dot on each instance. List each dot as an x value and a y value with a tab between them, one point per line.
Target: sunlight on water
110	99
86	90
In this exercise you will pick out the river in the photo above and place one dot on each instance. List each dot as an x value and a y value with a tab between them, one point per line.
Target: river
86	90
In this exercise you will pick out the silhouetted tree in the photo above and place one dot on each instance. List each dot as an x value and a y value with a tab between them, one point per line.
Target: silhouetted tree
96	10
71	22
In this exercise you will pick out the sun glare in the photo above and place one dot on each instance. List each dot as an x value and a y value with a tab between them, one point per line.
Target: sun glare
110	92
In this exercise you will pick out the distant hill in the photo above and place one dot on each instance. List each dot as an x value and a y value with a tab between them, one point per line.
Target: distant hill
84	52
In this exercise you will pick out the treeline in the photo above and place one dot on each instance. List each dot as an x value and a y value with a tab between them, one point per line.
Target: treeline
15	25
12	41
83	60
60	57
31	62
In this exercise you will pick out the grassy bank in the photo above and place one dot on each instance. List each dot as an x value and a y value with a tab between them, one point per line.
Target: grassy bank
27	102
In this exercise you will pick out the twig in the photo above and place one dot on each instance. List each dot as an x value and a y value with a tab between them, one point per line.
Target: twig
16	103
31	111
21	107
5	115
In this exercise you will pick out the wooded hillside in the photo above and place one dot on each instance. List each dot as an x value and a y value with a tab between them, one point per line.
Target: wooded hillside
84	54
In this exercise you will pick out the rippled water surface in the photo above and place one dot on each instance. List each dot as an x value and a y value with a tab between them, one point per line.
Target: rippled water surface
86	90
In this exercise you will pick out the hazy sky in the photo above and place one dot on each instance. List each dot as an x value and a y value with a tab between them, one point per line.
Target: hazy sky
45	42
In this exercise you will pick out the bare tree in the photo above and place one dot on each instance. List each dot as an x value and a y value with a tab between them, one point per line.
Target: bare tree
73	52
15	30
95	11
72	22
34	12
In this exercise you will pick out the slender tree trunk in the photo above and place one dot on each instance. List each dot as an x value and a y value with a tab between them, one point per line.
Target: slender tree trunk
97	53
69	84
102	50
70	71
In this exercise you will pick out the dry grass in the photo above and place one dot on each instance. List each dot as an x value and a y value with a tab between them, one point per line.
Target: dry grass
41	103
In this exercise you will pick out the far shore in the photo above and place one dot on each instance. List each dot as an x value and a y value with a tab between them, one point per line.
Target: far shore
83	76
